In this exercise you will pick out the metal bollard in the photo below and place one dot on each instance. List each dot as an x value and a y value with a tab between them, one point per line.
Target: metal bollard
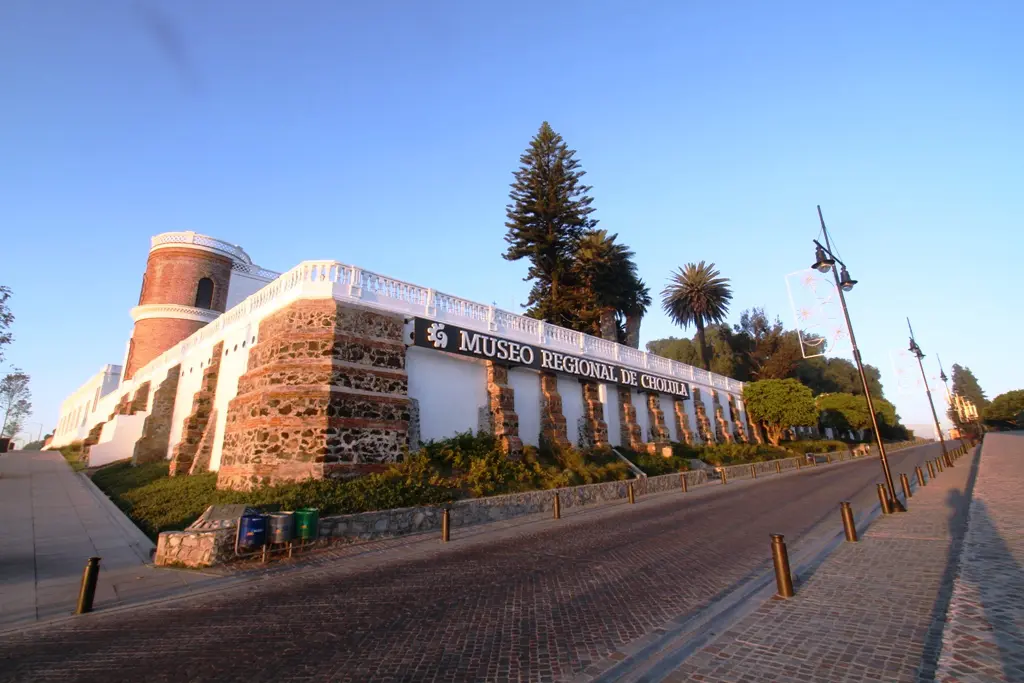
780	557
88	590
753	471
828	458
558	507
725	479
682	481
629	493
931	470
778	467
445	525
883	498
848	525
948	459
906	486
938	464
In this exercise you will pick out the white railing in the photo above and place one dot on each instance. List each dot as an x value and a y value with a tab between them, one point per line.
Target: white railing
189	237
345	282
255	271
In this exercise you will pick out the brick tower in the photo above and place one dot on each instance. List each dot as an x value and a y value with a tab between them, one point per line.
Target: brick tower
184	288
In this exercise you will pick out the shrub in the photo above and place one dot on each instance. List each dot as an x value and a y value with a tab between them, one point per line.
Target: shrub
73	453
815	446
465	465
654	465
740	453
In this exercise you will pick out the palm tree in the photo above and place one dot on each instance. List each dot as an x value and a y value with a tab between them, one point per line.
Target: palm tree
697	294
610	290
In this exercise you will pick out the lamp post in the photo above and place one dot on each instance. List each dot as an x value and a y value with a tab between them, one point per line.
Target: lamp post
824	262
949	399
919	354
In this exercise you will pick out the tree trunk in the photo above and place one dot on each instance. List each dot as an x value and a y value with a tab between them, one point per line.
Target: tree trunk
705	355
774	433
609	330
633	331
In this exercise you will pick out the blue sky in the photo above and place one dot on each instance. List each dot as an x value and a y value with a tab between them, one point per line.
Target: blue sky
385	134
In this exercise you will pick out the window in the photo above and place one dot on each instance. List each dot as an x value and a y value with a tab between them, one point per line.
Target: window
204	293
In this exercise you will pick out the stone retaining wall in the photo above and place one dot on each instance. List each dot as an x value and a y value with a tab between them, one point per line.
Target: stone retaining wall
386	523
195	548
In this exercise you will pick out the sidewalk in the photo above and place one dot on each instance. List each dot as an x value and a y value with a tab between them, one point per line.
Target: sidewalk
984	636
51	521
874	610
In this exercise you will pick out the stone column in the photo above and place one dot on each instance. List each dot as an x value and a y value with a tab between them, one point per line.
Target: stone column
552	421
629	428
682	421
198	421
596	429
721	426
325	395
660	436
504	420
156	430
703	423
738	431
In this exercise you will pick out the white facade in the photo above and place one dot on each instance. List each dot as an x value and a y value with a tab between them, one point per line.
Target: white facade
451	391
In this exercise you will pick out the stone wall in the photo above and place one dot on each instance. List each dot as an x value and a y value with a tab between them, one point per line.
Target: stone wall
195	548
703	423
629	428
660	435
386	523
156	430
199	421
325	395
595	430
552	420
682	422
503	419
140	400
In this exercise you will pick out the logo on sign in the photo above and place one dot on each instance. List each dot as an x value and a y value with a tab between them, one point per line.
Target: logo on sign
437	336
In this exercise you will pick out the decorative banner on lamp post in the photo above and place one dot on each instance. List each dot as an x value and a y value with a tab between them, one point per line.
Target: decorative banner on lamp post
818	313
908	373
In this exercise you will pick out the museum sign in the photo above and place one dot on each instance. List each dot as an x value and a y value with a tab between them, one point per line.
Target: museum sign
429	334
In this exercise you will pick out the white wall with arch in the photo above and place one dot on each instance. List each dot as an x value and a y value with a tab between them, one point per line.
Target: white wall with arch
571	391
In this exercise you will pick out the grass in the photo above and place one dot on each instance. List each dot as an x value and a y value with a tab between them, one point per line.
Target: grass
74	456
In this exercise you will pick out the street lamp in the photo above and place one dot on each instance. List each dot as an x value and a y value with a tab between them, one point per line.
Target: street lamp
919	354
824	260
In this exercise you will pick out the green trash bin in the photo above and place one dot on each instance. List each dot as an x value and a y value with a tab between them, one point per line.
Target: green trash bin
307	523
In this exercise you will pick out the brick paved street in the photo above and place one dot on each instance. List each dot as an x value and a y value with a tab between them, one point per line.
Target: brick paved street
984	635
873	611
533	602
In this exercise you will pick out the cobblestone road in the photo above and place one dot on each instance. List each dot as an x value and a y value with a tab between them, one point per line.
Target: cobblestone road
534	605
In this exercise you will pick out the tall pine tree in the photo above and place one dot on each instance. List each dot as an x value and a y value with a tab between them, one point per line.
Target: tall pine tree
548	214
966	384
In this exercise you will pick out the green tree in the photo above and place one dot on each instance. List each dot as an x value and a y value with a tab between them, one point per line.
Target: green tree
771	351
966	384
1005	409
548	214
727	358
848	412
15	402
607	290
837	375
779	404
6	320
698	295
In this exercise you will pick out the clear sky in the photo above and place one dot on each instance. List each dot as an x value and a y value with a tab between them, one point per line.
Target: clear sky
384	134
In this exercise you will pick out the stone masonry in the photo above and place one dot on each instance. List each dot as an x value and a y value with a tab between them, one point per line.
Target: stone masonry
738	431
703	424
198	421
325	395
755	428
721	426
660	435
140	400
204	451
552	421
682	421
629	428
156	430
594	427
503	410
